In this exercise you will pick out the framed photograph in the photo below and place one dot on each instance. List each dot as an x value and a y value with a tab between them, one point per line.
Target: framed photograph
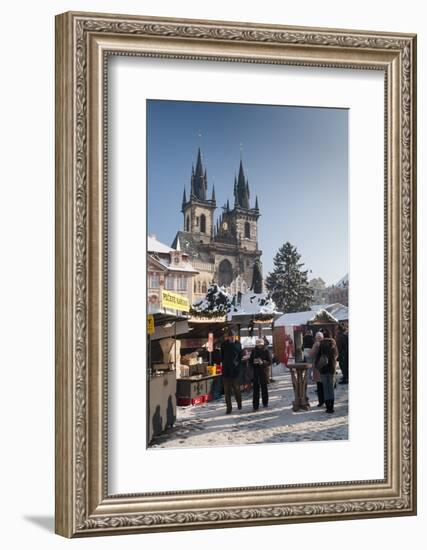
235	274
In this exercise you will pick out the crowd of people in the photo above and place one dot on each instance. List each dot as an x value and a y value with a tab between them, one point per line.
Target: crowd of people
321	351
259	359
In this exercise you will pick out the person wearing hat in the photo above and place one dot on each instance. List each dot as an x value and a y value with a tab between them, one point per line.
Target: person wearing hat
260	360
326	363
231	357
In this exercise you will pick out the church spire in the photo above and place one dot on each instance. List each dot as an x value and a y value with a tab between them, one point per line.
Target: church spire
256	203
199	181
213	199
241	189
184	197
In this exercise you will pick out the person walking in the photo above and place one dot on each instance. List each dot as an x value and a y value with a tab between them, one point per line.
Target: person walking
316	374
326	364
260	360
231	356
342	344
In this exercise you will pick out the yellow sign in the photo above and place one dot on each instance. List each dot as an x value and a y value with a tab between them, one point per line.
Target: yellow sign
172	300
150	324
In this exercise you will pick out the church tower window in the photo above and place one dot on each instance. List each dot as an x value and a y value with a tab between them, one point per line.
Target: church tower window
203	223
247	230
187	227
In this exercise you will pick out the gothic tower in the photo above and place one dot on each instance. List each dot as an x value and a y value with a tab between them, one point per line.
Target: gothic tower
240	224
238	227
199	211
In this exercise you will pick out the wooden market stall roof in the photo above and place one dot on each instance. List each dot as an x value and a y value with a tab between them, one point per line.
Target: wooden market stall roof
332	313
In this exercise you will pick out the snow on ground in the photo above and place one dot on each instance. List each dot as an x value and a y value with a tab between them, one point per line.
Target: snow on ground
207	425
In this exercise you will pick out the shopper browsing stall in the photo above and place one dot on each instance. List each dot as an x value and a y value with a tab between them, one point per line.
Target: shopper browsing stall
260	360
231	354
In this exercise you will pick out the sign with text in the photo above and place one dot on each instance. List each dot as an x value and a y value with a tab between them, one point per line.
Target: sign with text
172	300
150	324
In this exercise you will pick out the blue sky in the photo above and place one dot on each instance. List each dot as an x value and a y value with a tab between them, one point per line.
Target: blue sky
296	159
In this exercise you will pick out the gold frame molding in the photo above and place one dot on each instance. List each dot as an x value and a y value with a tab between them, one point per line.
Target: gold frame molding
83	43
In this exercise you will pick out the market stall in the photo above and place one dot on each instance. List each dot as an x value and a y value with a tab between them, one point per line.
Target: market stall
290	328
253	314
200	371
163	357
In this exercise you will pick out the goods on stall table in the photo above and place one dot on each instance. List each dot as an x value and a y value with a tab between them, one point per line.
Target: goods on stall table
190	359
198	389
211	370
182	371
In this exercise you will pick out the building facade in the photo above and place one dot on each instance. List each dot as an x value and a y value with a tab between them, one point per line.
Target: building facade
222	248
167	269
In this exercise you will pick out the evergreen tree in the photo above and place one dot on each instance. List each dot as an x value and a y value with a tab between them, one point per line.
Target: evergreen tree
288	282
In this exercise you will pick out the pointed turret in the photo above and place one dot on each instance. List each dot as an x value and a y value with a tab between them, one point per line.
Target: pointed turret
184	197
241	189
256	203
199	183
213	199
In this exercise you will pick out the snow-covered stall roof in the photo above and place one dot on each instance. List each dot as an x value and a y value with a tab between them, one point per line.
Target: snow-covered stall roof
252	304
217	302
337	312
294	319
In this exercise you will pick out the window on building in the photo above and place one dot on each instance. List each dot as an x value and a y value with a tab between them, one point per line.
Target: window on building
154	280
182	283
204	287
188	223
195	286
199	287
247	230
169	282
203	223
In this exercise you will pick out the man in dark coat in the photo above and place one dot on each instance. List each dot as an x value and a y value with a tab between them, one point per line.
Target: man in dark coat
231	356
327	361
260	359
342	344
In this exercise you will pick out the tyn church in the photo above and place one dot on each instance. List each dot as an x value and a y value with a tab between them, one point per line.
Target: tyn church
224	249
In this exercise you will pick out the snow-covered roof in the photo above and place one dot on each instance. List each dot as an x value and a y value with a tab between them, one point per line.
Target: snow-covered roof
153	245
216	301
252	304
337	311
294	319
343	283
183	267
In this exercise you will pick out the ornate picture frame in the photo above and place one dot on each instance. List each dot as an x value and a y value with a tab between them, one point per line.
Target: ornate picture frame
83	44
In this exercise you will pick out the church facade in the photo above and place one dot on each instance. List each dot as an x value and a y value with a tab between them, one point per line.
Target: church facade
222	247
